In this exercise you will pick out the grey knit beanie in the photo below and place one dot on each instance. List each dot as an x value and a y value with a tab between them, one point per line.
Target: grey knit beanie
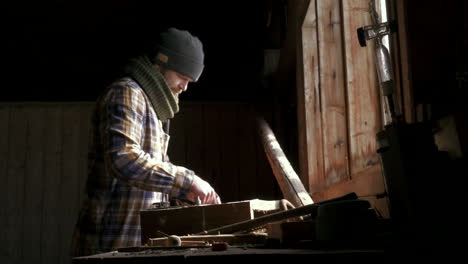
180	51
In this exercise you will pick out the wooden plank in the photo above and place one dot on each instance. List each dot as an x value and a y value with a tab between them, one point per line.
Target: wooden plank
50	235
229	133
309	106
385	115
262	207
69	179
368	185
85	124
34	183
176	149
290	184
265	182
4	191
364	119
192	219
255	223
332	91
247	154
15	181
194	138
213	135
291	233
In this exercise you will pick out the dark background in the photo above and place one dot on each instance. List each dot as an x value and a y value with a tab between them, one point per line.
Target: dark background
70	50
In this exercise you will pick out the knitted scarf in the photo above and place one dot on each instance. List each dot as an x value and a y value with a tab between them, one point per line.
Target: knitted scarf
164	102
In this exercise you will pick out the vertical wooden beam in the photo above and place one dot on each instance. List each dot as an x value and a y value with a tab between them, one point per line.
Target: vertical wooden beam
333	94
50	236
309	106
301	40
362	86
34	183
69	179
16	181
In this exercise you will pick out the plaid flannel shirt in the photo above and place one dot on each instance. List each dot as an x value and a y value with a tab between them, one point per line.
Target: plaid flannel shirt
128	171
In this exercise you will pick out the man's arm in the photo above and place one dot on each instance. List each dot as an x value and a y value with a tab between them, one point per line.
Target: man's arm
125	114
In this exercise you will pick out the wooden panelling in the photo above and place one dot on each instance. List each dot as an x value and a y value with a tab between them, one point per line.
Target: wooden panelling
228	180
51	212
363	94
367	185
309	106
15	181
4	193
332	91
212	118
177	132
43	151
195	141
402	72
71	172
339	103
219	142
33	185
44	169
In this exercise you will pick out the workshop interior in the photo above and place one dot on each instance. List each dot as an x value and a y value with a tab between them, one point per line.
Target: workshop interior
331	129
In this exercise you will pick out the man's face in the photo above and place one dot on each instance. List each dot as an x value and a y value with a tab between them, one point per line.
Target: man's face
176	81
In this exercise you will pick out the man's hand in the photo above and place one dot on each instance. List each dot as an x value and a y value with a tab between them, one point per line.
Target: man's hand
204	191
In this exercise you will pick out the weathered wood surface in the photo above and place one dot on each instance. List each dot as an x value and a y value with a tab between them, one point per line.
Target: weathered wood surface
309	106
339	102
332	91
51	214
363	90
218	141
43	150
251	224
4	188
368	185
188	220
44	165
248	225
290	184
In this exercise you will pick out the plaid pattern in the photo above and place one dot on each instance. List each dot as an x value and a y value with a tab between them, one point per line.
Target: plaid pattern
128	171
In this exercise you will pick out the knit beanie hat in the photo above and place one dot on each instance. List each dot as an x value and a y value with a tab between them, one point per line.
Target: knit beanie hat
180	51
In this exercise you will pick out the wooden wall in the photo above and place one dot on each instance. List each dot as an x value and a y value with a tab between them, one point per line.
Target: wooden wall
43	167
220	143
339	104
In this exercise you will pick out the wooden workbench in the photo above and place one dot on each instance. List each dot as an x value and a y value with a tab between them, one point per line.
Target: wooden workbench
232	255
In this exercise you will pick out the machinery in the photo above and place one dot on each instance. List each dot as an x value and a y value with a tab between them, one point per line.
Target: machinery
410	159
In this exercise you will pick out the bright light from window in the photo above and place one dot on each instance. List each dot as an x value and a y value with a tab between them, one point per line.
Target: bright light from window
382	10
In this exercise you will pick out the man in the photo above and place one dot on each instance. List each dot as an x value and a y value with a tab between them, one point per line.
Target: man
128	166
